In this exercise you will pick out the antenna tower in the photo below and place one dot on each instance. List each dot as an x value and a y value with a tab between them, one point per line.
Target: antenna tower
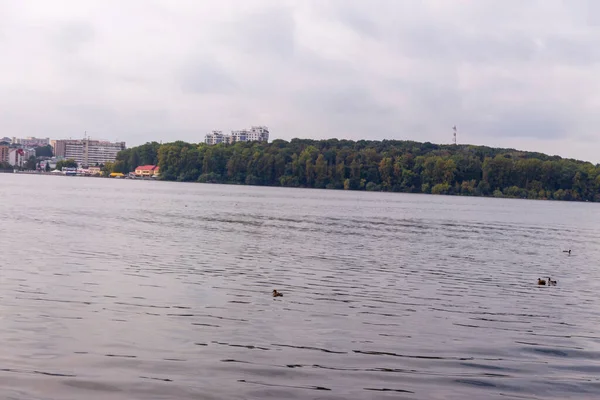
454	135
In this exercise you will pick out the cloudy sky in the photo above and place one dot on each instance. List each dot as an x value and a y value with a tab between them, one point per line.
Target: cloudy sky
510	73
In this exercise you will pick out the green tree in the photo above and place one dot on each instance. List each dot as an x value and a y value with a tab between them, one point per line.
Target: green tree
107	168
31	163
386	172
391	165
515	192
43	151
68	163
321	176
372	187
441	188
468	188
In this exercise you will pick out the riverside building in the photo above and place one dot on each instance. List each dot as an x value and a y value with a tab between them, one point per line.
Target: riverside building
87	152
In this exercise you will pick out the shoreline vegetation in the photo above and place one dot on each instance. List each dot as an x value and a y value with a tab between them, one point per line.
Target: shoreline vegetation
389	166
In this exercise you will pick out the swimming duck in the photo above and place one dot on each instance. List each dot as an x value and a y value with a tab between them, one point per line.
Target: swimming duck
567	251
551	282
277	294
541	282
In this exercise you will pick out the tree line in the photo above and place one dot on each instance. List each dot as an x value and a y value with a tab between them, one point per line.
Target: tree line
389	165
68	163
5	166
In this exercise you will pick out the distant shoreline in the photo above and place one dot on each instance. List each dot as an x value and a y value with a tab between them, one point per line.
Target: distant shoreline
297	187
378	166
78	176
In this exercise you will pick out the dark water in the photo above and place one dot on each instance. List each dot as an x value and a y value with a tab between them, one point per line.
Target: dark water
113	289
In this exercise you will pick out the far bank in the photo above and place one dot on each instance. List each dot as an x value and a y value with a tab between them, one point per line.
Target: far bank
387	166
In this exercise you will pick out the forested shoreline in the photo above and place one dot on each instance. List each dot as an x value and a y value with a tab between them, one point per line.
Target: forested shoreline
389	165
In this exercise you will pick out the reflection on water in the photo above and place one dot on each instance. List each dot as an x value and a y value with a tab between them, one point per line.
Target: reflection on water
138	290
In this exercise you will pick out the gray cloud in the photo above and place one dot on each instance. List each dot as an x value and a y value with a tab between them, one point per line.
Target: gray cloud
267	32
445	44
342	102
514	73
74	36
537	123
206	77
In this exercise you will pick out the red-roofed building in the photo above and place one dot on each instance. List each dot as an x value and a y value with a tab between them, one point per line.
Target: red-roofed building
146	170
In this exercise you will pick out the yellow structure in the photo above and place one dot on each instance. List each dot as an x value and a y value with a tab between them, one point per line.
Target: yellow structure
95	170
146	170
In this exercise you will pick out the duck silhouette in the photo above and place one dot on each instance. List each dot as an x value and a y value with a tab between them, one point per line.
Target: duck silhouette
551	282
277	294
567	251
541	282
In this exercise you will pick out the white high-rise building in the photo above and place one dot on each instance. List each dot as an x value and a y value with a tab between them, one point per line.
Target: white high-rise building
254	134
88	152
215	137
239	136
259	134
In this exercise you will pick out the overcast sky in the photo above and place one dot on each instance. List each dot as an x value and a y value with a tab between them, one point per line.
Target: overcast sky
510	73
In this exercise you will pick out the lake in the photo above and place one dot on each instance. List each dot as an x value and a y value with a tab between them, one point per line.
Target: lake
122	289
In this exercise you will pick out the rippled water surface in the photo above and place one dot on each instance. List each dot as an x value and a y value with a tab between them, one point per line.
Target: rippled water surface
118	289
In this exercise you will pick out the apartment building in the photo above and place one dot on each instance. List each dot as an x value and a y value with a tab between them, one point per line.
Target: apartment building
31	141
258	134
254	134
87	152
215	137
16	157
4	153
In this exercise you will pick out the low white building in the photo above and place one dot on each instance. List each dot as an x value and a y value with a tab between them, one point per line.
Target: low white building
31	141
48	164
16	158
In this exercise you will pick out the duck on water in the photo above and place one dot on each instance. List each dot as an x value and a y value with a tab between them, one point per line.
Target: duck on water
544	282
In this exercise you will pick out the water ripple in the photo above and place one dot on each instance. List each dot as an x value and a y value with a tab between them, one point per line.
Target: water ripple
385	295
